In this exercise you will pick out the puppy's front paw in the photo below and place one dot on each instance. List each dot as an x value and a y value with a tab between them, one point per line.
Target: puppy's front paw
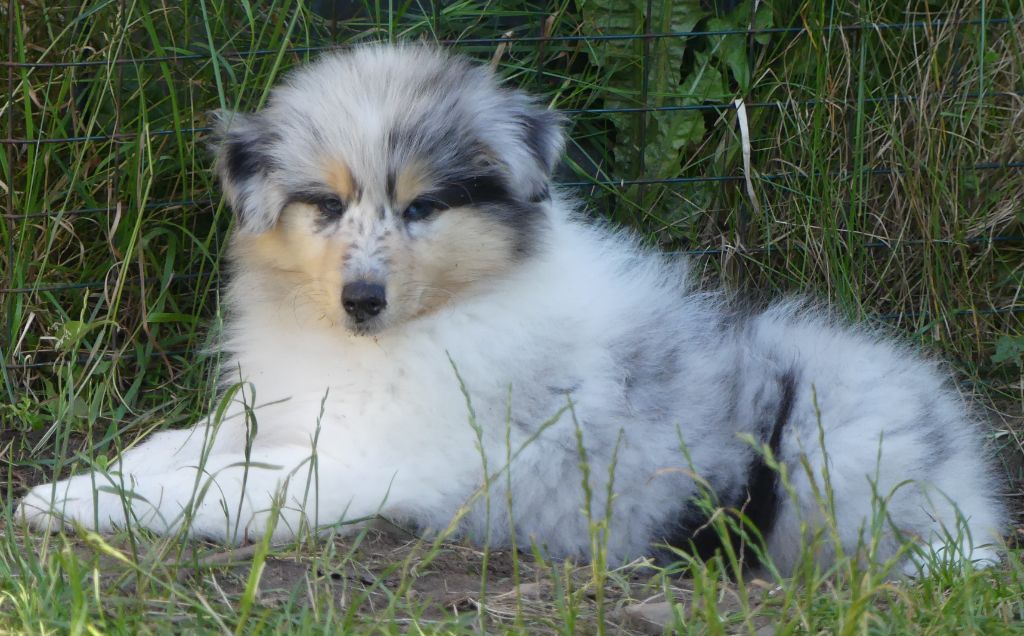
70	502
39	511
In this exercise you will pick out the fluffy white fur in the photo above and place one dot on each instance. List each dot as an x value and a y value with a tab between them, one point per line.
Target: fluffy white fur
338	421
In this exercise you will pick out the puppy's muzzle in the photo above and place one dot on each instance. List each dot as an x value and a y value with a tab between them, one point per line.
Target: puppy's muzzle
363	300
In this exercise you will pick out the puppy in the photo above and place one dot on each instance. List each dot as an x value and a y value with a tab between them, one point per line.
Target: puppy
420	326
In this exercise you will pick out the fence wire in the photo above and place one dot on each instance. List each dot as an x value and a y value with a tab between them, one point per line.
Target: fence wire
525	39
624	110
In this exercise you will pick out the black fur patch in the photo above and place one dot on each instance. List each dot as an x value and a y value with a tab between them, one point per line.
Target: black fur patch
758	500
491	195
475	191
526	219
467	174
391	186
245	159
540	196
538	132
315	196
693	534
762	506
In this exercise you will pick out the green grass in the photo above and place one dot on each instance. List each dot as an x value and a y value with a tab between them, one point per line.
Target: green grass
110	262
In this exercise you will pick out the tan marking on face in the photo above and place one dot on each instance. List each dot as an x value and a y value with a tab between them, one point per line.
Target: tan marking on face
463	247
339	178
299	269
412	180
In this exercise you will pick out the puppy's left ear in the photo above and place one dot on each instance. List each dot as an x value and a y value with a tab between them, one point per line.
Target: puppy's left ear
245	165
538	142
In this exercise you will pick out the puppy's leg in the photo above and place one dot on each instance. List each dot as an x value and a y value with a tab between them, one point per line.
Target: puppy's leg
166	450
230	498
44	505
159	453
965	517
879	496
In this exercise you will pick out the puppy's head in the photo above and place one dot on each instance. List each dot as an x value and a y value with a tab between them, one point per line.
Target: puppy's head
381	183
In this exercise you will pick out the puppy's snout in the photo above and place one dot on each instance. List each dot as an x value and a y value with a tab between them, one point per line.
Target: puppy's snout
363	300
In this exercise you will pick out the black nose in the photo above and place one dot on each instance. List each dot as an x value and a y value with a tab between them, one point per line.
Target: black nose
363	300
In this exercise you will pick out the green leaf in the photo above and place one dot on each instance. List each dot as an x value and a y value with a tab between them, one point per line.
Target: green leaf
731	49
705	83
763	19
1009	349
69	333
79	408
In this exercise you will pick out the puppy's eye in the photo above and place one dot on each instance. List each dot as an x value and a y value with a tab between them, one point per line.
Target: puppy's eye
418	210
331	207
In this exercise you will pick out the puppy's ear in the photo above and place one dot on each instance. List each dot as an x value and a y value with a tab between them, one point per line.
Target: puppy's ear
538	142
242	145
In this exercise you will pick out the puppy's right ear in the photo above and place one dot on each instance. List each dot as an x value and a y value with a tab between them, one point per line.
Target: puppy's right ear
245	165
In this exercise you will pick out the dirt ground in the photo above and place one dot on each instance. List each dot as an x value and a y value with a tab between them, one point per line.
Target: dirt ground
384	565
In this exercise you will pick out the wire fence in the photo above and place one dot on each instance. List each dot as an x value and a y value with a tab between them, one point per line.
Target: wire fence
503	39
19	70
